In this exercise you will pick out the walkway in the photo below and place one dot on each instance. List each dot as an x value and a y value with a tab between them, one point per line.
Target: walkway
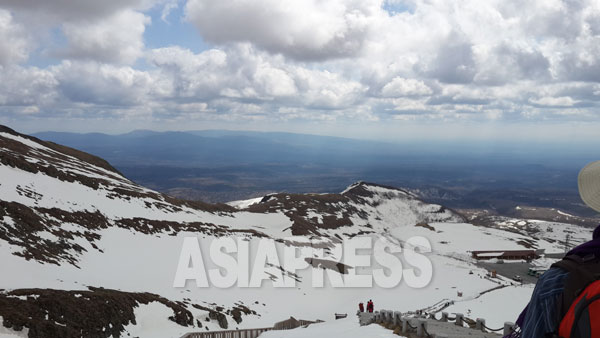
448	327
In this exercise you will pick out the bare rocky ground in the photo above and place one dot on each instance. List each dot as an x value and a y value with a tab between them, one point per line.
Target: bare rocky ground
95	313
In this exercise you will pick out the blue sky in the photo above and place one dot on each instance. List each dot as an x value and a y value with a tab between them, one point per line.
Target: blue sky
398	69
174	30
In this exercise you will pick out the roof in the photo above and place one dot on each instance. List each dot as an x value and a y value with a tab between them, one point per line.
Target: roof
490	254
505	252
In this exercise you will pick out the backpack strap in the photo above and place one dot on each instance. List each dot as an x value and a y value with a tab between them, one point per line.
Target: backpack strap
582	272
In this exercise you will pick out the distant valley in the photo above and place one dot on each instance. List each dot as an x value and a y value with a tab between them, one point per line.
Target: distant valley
221	166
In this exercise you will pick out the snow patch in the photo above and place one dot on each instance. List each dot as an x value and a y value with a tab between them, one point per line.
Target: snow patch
8	333
243	204
152	322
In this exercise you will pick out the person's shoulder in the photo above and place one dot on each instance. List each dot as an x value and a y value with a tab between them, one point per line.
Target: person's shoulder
553	279
553	273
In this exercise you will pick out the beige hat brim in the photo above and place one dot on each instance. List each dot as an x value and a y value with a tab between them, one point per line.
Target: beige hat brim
589	185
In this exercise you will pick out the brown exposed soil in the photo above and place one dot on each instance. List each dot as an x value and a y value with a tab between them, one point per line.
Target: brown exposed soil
328	264
97	313
26	232
425	225
85	157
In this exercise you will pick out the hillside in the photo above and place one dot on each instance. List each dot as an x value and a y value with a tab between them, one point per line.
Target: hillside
77	237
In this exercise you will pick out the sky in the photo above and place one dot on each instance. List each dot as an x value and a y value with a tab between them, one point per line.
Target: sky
396	69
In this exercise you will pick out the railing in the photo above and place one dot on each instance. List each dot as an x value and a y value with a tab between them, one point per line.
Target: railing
244	333
419	324
251	333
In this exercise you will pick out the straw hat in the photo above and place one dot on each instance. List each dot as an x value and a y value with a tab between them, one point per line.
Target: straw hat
589	185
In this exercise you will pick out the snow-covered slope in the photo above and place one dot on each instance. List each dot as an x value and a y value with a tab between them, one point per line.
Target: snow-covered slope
71	223
49	192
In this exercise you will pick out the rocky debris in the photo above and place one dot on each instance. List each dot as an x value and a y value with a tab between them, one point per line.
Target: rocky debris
30	227
425	225
312	213
219	314
334	209
238	310
328	264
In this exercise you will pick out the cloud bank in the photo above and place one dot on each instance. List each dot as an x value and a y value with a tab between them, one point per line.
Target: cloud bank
336	60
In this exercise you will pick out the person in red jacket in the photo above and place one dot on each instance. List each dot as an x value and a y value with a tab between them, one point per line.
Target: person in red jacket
361	307
370	306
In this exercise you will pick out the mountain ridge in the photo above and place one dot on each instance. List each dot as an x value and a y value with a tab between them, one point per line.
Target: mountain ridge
94	236
106	199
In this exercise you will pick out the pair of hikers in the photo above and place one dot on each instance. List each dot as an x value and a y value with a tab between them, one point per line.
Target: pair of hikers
566	299
370	306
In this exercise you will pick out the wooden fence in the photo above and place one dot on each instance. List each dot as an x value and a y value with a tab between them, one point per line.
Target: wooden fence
244	333
287	324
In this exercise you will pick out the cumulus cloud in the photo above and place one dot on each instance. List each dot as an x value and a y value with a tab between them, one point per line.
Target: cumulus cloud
117	38
405	87
73	11
13	40
320	60
304	30
507	63
102	84
27	87
454	62
244	73
563	101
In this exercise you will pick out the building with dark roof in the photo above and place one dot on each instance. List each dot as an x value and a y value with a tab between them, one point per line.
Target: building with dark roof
505	254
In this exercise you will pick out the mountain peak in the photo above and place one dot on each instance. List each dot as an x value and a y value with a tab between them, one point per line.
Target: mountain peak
363	188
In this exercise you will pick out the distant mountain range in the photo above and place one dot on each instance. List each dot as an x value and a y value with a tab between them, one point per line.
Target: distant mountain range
220	166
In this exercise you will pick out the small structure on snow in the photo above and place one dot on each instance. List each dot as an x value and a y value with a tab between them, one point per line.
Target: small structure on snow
505	254
292	323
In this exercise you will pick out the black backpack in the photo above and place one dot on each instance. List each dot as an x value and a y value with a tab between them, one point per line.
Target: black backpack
579	305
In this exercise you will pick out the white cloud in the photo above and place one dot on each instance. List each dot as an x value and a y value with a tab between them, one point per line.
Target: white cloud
563	101
243	73
117	38
13	40
305	30
507	63
101	84
405	87
503	60
274	81
27	87
73	11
